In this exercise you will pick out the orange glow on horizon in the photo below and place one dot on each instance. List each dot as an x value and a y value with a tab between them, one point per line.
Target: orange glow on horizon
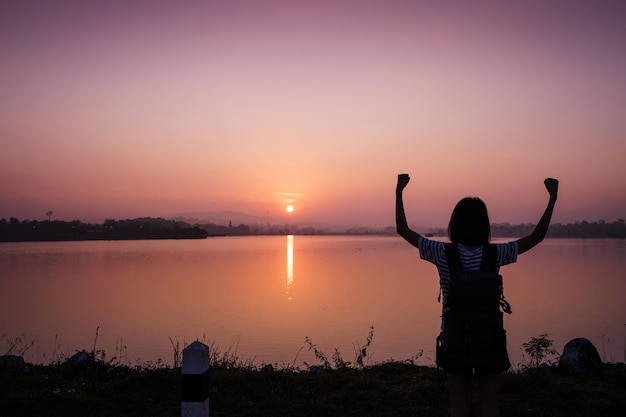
245	110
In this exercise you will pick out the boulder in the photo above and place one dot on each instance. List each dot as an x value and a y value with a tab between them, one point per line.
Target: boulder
314	369
11	362
80	359
580	357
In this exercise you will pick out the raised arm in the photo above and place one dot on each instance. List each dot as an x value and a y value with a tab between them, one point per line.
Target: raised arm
530	241
402	226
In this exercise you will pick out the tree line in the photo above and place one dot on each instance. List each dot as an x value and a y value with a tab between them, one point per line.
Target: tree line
14	230
584	229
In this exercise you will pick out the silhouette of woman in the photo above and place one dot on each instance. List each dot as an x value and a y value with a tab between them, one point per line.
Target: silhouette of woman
469	228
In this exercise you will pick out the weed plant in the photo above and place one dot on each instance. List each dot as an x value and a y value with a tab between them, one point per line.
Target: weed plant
539	348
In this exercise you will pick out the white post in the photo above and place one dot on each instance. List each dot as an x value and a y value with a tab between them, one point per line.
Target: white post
195	381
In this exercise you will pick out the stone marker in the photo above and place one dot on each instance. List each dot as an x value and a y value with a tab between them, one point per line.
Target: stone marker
195	380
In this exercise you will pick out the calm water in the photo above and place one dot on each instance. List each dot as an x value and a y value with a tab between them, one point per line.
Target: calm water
259	297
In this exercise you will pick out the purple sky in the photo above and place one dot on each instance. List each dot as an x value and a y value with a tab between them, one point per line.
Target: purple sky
148	108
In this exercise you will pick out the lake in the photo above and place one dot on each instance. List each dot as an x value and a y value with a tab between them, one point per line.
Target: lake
259	297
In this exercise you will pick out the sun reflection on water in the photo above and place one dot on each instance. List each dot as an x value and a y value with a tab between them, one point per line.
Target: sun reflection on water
289	264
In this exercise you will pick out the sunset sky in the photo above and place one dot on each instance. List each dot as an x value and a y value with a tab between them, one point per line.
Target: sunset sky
124	109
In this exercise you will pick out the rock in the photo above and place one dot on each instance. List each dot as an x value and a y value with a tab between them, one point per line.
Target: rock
580	356
314	369
11	362
79	359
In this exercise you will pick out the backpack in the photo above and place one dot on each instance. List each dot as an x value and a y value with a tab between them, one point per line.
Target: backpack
473	333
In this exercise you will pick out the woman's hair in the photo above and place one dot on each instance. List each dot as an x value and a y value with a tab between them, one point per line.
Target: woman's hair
469	223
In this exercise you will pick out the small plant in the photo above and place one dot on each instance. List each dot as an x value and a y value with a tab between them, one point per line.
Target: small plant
318	353
177	353
228	359
538	348
17	346
338	361
362	351
606	340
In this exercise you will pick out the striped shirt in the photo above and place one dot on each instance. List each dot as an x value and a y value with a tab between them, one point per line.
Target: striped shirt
434	252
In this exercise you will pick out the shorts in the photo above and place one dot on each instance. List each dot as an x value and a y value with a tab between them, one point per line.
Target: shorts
499	365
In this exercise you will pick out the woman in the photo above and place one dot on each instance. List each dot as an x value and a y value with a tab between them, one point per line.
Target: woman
469	228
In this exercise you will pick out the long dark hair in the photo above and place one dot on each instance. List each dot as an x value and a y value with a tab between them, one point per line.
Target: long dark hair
469	223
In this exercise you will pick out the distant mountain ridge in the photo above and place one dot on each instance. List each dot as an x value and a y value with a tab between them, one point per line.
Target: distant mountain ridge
221	217
227	216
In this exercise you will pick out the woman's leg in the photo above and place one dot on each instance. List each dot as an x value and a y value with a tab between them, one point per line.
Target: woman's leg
489	388
460	387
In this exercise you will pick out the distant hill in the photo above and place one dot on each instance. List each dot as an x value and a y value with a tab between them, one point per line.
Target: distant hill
220	217
259	224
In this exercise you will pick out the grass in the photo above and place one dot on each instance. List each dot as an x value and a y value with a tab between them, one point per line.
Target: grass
105	387
387	389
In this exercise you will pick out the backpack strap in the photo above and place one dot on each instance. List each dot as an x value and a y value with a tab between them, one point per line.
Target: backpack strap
488	261
453	257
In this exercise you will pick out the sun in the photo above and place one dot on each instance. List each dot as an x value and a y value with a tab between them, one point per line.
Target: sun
289	208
